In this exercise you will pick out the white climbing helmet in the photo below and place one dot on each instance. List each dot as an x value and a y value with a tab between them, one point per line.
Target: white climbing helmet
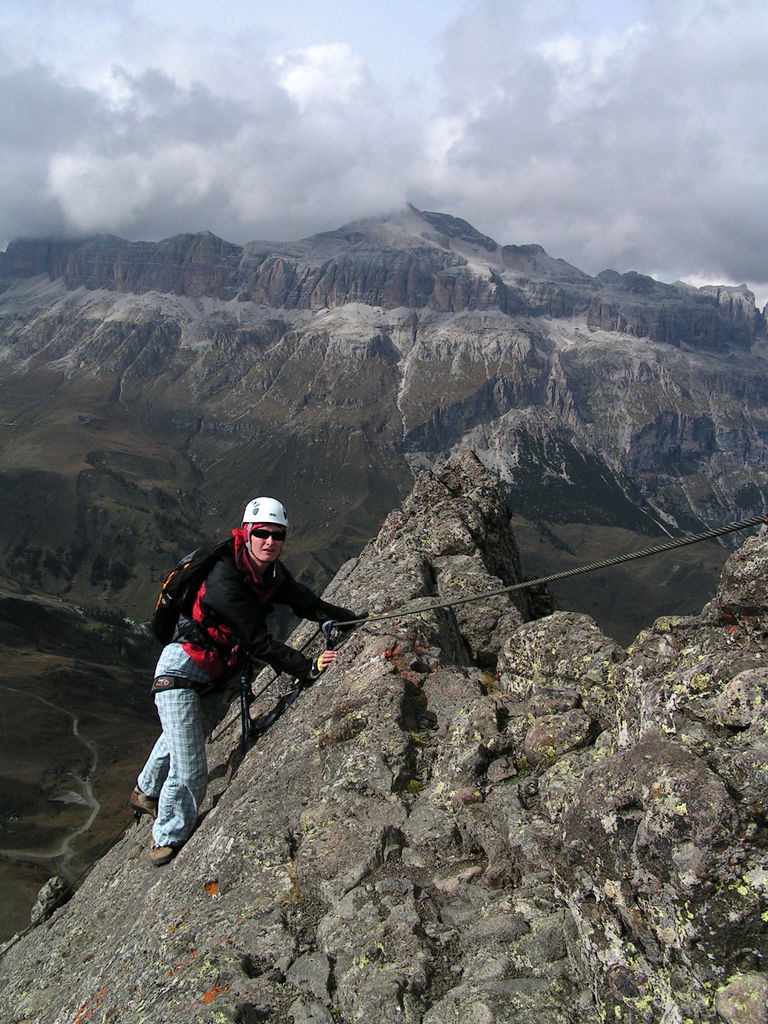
265	510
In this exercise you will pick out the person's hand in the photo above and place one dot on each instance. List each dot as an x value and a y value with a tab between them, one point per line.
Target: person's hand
325	660
320	664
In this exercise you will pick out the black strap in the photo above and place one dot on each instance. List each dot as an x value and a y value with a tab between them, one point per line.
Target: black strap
246	699
260	725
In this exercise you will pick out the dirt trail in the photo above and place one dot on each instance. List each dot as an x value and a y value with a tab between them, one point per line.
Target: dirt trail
84	796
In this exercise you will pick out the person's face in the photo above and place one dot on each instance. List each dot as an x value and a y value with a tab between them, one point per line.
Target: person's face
265	544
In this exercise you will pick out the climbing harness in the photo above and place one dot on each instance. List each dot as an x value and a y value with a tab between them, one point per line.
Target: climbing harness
252	728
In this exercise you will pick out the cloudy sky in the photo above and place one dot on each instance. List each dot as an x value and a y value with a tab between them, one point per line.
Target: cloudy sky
628	134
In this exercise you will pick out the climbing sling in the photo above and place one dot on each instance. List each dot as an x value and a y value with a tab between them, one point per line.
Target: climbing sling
253	728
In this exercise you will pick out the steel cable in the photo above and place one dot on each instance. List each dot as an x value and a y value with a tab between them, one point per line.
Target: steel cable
679	542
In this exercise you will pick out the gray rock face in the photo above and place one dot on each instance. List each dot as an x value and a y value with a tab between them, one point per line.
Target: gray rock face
51	895
474	816
415	259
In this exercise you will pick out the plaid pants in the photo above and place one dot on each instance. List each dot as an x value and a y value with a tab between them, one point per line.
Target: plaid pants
176	772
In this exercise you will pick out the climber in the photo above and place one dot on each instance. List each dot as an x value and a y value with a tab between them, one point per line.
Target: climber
225	626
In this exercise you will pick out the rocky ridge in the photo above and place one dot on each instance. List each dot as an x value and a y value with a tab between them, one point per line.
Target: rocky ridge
478	814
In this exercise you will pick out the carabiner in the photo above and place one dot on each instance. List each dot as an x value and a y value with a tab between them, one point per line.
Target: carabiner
327	630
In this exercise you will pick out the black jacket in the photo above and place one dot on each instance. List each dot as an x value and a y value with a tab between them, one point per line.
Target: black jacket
231	610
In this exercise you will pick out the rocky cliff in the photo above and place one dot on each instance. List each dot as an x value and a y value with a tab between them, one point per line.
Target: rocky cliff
416	259
476	815
146	389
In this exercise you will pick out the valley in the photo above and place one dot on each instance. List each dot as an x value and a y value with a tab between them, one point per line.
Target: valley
76	720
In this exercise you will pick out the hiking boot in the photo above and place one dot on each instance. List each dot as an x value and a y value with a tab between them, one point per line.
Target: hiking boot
143	804
160	855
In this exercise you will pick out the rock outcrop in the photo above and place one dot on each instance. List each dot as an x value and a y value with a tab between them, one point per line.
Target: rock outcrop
476	815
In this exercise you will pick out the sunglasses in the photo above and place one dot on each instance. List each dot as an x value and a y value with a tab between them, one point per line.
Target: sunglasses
276	535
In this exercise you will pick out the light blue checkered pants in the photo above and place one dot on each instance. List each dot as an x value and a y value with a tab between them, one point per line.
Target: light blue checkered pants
176	772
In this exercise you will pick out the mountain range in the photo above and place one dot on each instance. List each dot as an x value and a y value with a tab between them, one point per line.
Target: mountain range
147	390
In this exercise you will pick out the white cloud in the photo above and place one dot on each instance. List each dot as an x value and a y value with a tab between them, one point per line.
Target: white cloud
102	193
321	75
622	133
635	148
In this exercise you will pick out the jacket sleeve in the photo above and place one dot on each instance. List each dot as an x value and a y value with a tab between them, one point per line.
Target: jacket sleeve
307	605
228	599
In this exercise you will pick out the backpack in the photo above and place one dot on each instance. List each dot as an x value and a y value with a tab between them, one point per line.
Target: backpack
180	586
